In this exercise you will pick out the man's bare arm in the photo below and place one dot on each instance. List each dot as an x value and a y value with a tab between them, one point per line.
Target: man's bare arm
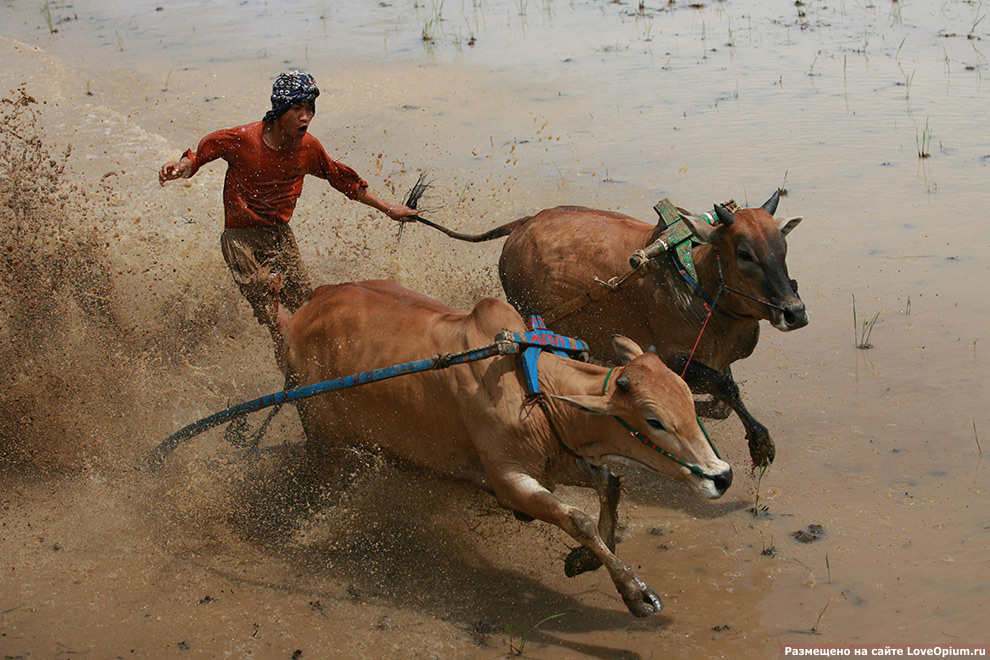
398	212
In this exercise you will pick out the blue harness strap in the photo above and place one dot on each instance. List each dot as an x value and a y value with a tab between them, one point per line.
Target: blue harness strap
537	340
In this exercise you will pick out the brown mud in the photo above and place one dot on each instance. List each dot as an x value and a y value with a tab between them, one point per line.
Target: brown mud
119	325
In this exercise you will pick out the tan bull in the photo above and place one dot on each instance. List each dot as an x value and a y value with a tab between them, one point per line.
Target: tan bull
472	421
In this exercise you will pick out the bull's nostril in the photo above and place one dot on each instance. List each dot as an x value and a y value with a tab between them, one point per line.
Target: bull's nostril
723	480
795	317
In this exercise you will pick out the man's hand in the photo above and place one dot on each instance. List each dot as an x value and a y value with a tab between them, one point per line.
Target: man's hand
173	171
398	212
401	213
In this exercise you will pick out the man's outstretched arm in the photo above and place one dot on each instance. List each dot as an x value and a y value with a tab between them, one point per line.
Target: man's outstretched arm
398	212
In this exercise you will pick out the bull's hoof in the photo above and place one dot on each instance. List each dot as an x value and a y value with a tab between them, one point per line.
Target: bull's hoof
761	449
645	602
581	560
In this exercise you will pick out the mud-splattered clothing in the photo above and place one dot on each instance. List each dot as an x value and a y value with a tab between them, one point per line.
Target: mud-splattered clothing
254	255
263	184
260	192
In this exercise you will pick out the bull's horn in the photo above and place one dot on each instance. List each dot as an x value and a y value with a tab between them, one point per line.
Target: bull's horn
623	383
770	206
725	216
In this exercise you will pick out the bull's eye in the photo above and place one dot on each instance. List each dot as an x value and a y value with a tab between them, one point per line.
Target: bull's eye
656	423
745	256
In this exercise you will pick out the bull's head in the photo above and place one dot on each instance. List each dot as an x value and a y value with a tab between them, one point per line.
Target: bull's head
751	247
655	411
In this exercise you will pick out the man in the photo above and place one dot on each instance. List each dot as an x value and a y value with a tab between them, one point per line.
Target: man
266	164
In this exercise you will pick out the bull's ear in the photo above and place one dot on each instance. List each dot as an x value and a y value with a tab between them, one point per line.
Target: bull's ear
593	405
788	224
701	229
626	348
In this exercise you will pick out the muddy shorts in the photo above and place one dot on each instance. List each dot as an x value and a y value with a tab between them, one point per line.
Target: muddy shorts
254	255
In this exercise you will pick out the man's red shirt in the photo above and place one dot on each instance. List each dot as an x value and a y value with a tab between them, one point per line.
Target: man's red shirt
262	184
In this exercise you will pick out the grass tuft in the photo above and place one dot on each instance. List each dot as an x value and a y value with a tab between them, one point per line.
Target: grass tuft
756	509
924	142
524	633
768	550
46	11
863	334
814	628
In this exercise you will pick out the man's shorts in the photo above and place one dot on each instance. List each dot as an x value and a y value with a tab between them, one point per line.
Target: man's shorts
254	255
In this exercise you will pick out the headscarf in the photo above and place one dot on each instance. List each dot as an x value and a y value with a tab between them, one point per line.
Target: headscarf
291	88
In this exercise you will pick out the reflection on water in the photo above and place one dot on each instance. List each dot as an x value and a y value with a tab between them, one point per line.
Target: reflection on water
872	115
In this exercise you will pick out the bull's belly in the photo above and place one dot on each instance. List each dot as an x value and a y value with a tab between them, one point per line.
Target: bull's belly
429	440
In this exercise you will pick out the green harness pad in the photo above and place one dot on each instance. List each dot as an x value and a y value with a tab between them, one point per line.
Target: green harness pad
679	237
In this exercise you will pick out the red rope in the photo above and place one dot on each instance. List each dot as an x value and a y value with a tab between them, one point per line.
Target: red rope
698	340
703	326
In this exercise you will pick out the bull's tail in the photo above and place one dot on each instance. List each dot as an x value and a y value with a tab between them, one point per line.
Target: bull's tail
491	234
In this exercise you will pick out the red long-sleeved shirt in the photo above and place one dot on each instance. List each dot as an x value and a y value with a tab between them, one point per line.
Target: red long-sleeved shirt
262	185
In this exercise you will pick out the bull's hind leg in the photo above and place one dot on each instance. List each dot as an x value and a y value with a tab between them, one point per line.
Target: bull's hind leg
522	492
582	559
720	384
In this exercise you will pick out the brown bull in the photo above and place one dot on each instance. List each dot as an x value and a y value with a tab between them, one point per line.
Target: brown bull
555	256
471	421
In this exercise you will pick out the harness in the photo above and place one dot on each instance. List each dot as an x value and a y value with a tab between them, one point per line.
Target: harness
541	339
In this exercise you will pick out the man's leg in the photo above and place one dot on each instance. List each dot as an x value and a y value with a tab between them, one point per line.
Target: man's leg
296	284
246	253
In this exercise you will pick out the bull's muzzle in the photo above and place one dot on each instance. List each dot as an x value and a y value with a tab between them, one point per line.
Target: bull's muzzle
793	317
722	481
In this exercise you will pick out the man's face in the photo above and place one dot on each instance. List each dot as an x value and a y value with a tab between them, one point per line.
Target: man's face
295	121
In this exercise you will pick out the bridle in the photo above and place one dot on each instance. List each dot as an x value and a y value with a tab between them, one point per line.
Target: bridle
711	304
694	469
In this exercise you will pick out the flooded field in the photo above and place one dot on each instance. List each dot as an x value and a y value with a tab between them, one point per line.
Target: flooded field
119	324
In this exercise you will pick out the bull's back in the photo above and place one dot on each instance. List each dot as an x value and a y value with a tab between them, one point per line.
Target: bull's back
556	253
555	257
424	418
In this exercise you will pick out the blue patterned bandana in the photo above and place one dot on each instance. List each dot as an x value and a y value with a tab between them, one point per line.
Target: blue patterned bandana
291	88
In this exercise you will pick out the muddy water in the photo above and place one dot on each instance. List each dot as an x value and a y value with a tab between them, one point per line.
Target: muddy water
513	106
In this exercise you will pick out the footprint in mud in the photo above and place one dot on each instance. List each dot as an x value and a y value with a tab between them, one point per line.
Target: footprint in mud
809	534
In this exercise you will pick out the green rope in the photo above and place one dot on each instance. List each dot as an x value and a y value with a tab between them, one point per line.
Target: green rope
708	437
649	443
607	376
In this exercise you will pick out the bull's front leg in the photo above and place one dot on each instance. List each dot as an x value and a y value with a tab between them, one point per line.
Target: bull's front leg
720	384
521	492
581	559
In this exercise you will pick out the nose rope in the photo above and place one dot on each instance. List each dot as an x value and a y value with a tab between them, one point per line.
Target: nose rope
722	285
694	469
